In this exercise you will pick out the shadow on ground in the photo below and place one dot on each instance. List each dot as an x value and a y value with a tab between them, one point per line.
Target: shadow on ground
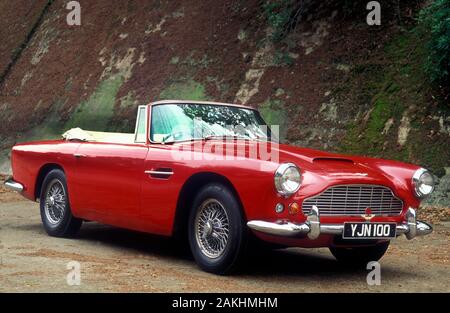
265	262
286	263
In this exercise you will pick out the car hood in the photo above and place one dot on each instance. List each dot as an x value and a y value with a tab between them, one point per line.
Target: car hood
322	169
325	162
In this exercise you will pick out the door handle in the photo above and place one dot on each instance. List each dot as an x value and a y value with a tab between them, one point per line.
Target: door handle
160	173
78	155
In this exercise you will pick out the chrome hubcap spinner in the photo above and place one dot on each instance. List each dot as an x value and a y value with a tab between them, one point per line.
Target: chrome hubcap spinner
212	228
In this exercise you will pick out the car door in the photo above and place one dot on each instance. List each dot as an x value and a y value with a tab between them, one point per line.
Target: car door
108	181
108	178
162	181
163	177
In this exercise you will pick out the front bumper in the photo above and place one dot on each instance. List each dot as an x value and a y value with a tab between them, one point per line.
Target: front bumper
312	228
13	185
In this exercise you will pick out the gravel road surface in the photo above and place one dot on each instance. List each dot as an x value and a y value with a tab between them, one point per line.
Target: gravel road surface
116	260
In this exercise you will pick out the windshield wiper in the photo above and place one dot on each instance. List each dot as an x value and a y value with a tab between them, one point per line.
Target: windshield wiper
265	139
183	140
210	137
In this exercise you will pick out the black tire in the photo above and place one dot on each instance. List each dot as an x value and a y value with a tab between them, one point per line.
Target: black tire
359	256
56	214
223	200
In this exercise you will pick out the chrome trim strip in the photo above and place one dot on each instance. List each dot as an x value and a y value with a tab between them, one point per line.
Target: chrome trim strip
286	229
248	107
402	229
13	185
136	127
332	229
313	228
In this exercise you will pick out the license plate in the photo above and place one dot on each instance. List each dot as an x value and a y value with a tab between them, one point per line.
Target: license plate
369	230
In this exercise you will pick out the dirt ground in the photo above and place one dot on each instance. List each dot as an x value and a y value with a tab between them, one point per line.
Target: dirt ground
116	260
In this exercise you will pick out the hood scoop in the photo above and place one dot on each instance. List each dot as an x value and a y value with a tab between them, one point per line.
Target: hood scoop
332	160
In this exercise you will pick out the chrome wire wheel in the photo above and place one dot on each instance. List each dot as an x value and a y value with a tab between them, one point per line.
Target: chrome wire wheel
212	228
55	202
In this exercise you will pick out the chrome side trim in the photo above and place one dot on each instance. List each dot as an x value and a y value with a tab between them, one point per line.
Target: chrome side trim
13	185
312	228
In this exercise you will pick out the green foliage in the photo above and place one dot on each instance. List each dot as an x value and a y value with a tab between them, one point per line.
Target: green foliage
186	90
435	23
282	59
368	138
279	15
96	112
392	89
273	112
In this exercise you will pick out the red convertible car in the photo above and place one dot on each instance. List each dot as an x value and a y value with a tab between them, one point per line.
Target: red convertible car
215	173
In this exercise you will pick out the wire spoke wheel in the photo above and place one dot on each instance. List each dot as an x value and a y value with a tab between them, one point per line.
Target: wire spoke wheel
212	228
55	202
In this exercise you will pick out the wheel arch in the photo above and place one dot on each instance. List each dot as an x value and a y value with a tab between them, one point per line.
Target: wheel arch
43	171
188	193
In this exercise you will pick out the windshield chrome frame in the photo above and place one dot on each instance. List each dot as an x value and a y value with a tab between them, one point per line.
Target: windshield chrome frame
178	102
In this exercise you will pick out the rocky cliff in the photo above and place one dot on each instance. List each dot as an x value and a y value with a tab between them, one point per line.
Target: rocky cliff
315	67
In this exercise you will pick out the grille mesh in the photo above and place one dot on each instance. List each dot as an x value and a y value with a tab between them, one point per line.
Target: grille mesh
354	199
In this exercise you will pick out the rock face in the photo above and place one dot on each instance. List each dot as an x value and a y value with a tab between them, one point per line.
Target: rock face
441	196
332	82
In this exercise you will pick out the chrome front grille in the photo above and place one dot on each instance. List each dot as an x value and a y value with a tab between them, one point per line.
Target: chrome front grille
354	199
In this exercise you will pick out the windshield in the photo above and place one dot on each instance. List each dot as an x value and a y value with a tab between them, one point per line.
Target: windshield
181	122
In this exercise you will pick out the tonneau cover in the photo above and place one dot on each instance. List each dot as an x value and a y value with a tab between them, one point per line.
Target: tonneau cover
93	136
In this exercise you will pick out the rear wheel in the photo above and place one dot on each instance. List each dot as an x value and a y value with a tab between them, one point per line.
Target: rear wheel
56	214
359	256
217	232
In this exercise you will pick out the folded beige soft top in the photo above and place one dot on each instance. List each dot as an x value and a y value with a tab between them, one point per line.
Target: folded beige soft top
91	136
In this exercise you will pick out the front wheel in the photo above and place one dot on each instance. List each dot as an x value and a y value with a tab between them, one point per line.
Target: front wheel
217	231
359	256
56	214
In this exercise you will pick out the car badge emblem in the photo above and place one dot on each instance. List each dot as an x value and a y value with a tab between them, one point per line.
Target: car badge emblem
368	216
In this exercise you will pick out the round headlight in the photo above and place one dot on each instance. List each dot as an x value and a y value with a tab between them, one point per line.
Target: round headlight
287	179
423	183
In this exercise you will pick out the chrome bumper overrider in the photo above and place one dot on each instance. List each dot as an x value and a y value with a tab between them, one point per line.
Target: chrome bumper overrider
13	185
312	228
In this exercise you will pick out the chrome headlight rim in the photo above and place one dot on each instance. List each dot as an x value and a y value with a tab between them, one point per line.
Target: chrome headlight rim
416	181
279	173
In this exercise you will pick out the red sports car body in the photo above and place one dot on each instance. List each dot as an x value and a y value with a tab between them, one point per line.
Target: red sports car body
165	181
